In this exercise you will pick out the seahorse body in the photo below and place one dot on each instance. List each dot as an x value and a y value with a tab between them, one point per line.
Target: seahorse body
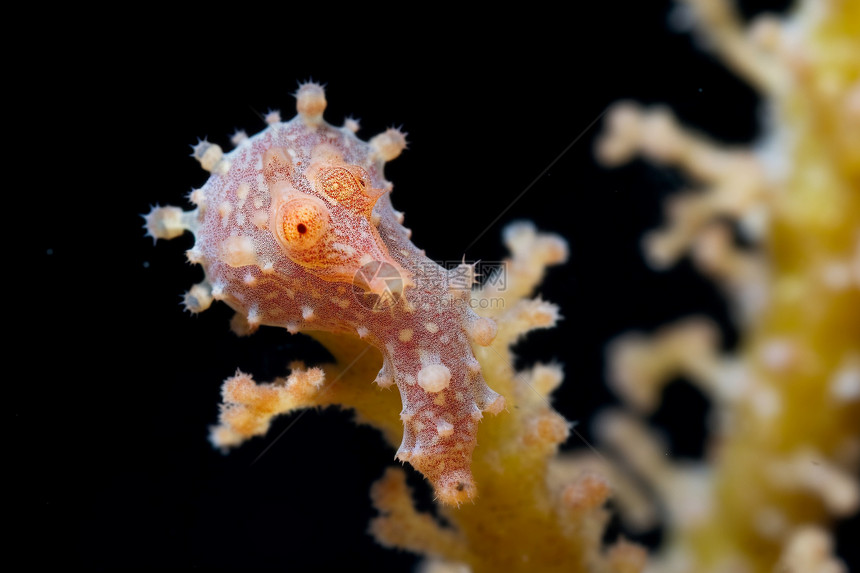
295	228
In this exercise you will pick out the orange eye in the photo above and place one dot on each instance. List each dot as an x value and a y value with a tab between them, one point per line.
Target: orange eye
302	222
339	184
361	177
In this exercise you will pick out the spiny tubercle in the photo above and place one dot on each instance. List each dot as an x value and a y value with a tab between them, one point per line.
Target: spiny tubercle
295	228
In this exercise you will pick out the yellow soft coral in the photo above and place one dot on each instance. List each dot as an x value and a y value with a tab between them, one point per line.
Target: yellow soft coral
787	446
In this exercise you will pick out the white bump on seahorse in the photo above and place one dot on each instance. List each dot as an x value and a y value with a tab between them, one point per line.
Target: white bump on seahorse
238	251
434	377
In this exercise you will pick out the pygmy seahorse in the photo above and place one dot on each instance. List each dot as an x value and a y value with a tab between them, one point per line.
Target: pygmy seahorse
295	228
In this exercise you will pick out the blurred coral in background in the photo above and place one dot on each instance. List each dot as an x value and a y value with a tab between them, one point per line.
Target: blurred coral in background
777	226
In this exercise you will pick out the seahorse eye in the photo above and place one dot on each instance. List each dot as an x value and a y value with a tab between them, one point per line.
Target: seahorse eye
302	222
339	184
360	176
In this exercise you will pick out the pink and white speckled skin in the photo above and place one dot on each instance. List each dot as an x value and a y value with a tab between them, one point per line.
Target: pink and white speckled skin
303	178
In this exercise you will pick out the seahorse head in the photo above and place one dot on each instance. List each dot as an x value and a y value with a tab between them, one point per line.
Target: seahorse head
329	231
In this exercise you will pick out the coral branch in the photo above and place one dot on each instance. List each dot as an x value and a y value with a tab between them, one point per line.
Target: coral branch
809	550
744	51
248	408
785	453
400	525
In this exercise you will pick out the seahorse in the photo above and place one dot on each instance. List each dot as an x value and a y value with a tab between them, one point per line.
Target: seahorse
295	229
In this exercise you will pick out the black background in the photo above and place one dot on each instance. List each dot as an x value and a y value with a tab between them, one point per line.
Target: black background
112	466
